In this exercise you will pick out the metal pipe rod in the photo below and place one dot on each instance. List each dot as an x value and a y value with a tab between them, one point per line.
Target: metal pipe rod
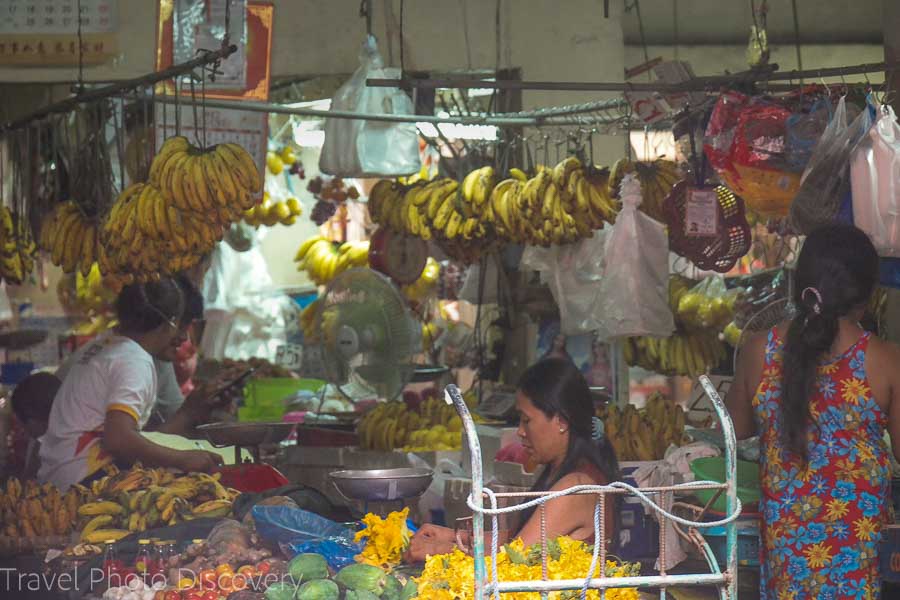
268	107
698	84
731	478
115	88
609	582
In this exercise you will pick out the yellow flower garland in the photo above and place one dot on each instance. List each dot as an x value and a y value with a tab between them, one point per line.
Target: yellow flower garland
451	576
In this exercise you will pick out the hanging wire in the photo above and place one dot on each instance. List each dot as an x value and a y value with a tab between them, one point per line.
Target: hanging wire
203	103
177	107
797	37
80	53
194	112
402	42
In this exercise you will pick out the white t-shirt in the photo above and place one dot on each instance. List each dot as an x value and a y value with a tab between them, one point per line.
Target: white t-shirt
111	373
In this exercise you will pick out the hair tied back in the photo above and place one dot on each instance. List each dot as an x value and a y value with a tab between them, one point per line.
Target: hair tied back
817	305
597	428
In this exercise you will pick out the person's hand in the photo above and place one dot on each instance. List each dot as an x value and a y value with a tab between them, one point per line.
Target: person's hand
213	395
428	541
199	461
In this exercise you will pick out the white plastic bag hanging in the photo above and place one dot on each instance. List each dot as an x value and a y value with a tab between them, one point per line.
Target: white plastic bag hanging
876	192
634	291
359	148
572	272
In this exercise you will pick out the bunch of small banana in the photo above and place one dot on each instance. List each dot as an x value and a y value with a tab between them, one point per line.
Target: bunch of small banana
645	434
423	287
657	179
691	354
168	223
454	215
94	293
33	510
308	323
17	247
218	183
270	213
323	262
71	238
394	425
140	499
557	206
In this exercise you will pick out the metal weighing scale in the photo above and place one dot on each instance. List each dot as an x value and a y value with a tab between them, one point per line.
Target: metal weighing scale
383	486
246	435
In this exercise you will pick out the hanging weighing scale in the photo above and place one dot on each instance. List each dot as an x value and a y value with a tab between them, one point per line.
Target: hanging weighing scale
400	256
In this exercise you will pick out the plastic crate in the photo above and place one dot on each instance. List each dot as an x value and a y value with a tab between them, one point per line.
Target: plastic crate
747	542
637	531
264	398
713	469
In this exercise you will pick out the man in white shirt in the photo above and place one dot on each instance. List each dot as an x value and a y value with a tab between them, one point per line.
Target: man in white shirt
110	388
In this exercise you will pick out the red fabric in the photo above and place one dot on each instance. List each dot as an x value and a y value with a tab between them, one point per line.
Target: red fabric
252	477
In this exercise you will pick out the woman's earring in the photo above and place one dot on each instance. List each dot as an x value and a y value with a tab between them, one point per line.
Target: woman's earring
562	429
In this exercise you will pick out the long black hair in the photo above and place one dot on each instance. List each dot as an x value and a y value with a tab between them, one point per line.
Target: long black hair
557	388
142	307
835	274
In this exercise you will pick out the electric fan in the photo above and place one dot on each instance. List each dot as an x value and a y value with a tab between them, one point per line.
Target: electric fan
368	335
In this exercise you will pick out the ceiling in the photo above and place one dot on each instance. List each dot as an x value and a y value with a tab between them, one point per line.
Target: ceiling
728	21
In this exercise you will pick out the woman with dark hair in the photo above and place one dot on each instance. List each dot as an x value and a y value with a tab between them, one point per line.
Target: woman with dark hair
821	392
109	390
559	431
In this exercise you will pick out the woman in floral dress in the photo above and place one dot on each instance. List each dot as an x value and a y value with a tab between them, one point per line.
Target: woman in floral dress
820	392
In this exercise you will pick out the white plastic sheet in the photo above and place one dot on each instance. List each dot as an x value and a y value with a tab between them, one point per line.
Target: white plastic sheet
572	272
634	290
874	172
245	315
358	148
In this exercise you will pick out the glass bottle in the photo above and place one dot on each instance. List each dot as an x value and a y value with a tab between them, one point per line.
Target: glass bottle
143	562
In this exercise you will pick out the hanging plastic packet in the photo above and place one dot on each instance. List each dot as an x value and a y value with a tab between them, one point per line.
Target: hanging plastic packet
876	192
633	295
365	148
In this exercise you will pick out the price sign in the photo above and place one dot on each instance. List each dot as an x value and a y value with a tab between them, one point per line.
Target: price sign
289	356
701	213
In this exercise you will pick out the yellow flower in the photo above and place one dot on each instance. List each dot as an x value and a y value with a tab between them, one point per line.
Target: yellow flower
829	369
453	573
853	389
818	555
386	539
836	510
865	528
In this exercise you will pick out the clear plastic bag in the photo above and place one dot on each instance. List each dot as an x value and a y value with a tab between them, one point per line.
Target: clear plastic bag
826	180
360	148
572	272
633	295
876	193
707	305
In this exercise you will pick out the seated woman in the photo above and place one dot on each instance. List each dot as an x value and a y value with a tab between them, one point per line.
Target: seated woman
556	424
110	389
31	401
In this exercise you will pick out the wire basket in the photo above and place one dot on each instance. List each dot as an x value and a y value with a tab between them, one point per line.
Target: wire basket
710	232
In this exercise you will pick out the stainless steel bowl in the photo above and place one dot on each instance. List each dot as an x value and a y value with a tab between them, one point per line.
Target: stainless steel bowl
382	484
245	434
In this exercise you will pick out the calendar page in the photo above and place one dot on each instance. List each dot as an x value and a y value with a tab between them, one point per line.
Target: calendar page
249	129
57	16
44	32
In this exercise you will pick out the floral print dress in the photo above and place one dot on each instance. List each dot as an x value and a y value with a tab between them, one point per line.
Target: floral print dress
822	519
